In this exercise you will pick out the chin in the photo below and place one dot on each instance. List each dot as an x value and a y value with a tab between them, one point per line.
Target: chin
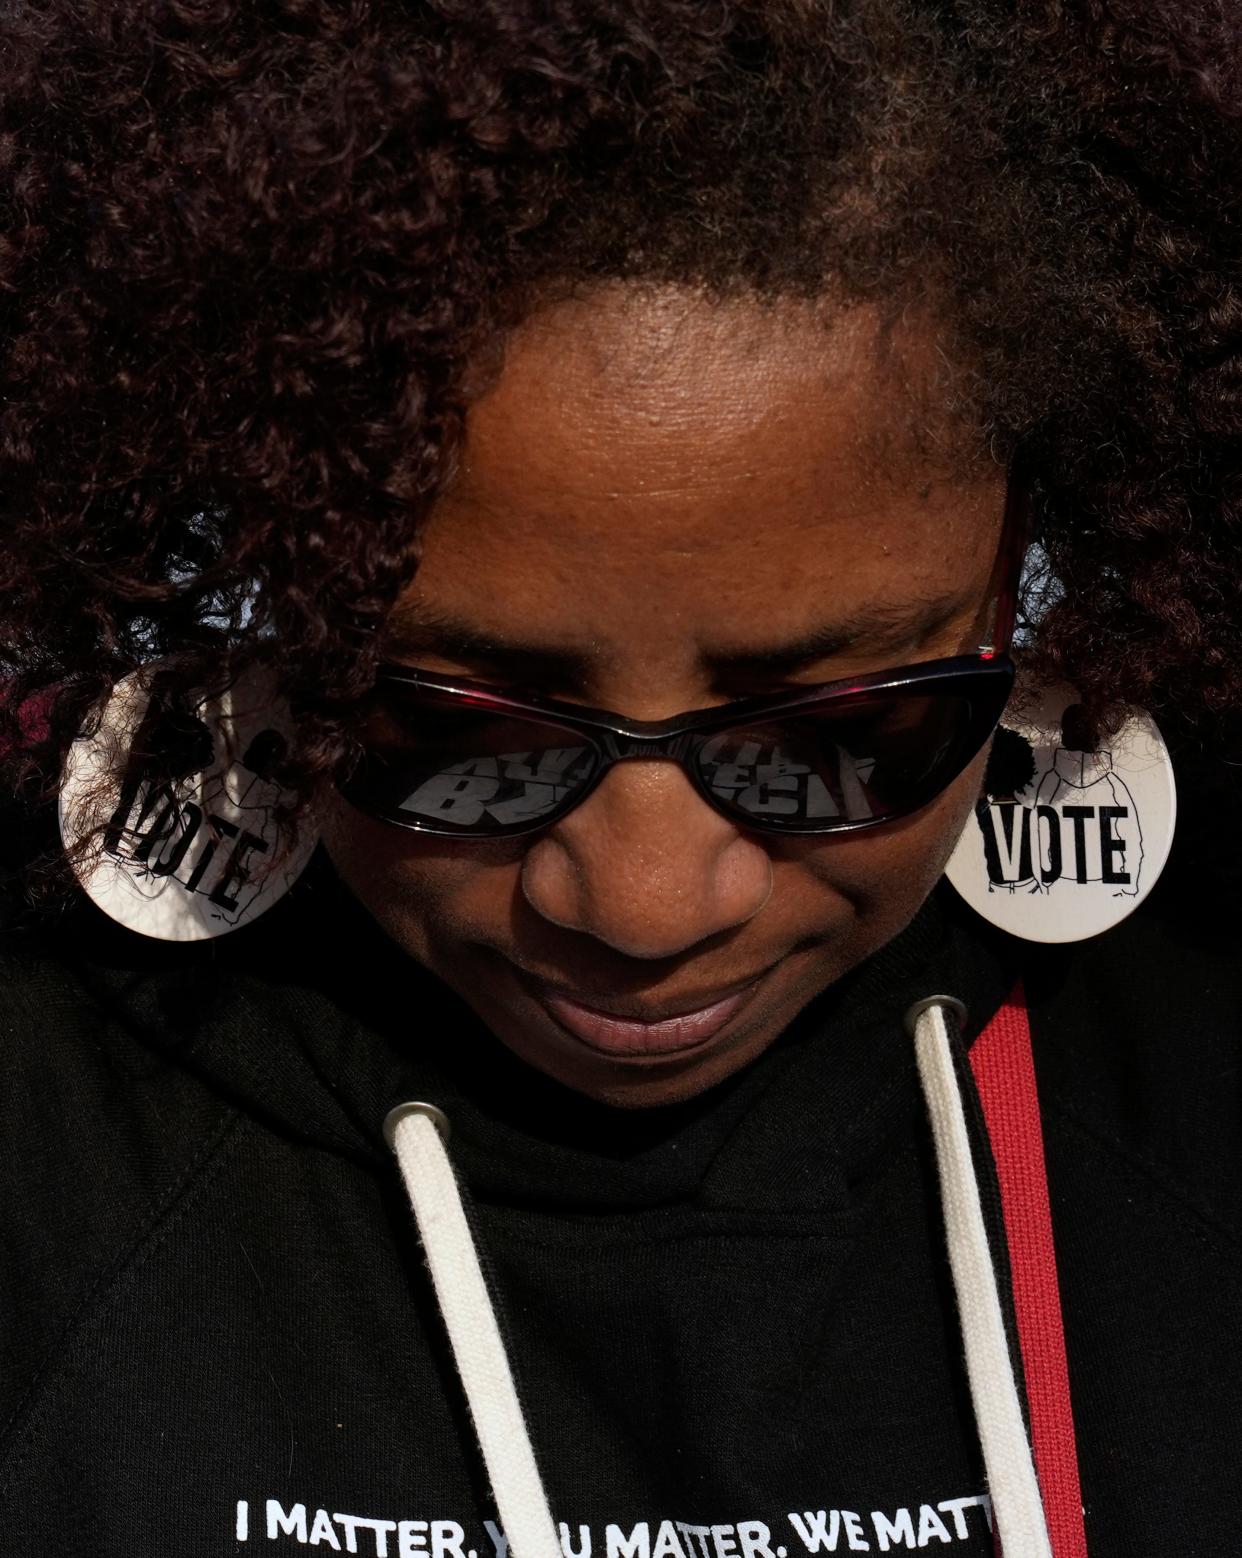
634	1085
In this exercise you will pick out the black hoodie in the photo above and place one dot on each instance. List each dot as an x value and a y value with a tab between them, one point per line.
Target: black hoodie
731	1320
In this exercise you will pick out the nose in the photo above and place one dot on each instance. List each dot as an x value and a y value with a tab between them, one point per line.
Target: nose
646	866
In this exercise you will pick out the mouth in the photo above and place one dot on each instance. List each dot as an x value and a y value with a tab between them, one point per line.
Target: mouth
629	1037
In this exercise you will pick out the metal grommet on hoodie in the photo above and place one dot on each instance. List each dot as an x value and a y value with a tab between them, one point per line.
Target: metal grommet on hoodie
395	1116
913	1013
1070	835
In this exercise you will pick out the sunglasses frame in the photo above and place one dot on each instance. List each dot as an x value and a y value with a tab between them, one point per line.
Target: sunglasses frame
984	678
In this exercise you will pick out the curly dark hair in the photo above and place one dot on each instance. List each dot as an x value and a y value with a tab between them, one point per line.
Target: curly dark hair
257	257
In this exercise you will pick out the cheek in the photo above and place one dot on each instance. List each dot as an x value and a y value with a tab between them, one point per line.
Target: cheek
422	891
886	875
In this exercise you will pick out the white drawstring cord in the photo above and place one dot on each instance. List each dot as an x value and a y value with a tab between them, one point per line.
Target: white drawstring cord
1007	1459
413	1131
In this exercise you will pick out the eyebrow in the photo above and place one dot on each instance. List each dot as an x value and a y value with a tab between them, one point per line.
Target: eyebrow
878	628
455	638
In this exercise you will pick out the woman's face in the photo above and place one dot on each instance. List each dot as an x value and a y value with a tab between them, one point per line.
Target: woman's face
665	504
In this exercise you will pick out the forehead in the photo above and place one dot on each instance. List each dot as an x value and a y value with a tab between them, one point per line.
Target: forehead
649	457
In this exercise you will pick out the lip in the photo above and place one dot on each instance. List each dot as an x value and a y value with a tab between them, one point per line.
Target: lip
619	1037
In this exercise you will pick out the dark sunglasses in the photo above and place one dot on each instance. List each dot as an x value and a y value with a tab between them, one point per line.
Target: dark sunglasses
458	759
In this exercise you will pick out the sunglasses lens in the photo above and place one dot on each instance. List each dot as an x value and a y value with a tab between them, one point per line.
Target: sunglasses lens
458	768
883	758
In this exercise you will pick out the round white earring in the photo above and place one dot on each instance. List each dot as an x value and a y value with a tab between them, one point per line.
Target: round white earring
201	854
1065	843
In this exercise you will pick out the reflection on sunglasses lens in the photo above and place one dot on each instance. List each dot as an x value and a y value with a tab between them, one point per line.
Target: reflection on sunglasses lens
470	786
764	778
807	771
512	787
457	766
